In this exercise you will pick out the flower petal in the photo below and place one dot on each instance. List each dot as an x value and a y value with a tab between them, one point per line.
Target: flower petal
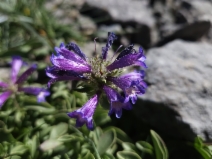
132	84
126	51
16	66
41	93
26	74
117	102
76	49
84	115
66	64
55	72
66	52
136	88
111	38
127	60
3	97
3	85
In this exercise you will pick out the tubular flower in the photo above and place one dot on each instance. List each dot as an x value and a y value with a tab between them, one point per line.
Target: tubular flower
15	83
85	114
100	74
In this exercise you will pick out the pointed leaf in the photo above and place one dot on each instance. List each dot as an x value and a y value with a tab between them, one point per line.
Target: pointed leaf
144	147
159	146
18	150
127	155
66	138
89	155
128	146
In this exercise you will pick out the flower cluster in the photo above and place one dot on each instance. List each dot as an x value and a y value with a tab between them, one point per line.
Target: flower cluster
104	76
15	84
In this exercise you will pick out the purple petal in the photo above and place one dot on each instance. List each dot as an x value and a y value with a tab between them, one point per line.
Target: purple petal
68	54
117	102
84	115
3	97
111	38
126	51
41	93
66	64
41	97
3	85
76	49
55	72
126	79
26	74
127	60
132	84
136	88
16	66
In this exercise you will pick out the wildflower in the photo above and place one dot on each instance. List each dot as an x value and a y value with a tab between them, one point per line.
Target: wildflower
102	75
16	83
85	114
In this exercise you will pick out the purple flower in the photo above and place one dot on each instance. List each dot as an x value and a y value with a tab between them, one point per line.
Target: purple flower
117	102
100	74
132	84
84	115
16	83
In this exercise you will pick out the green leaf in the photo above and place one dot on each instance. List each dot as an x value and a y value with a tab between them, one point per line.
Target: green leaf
159	146
101	116
66	138
203	152
13	157
58	130
1	150
49	145
120	134
144	147
106	140
127	155
202	149
18	150
89	155
128	146
108	156
96	134
33	145
40	109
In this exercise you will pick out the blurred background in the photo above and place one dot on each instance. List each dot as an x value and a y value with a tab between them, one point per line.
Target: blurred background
176	36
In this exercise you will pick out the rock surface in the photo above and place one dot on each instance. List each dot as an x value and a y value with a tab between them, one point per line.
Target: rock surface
119	10
178	101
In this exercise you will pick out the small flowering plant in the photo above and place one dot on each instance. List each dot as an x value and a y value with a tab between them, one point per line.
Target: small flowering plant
102	75
15	84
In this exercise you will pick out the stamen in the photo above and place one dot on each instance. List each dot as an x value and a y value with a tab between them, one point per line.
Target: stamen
116	51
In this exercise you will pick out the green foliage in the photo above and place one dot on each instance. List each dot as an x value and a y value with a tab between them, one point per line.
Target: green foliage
205	151
26	27
29	130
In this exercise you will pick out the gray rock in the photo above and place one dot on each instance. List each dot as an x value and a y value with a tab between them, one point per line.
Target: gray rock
87	26
125	11
191	32
203	9
133	14
178	101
